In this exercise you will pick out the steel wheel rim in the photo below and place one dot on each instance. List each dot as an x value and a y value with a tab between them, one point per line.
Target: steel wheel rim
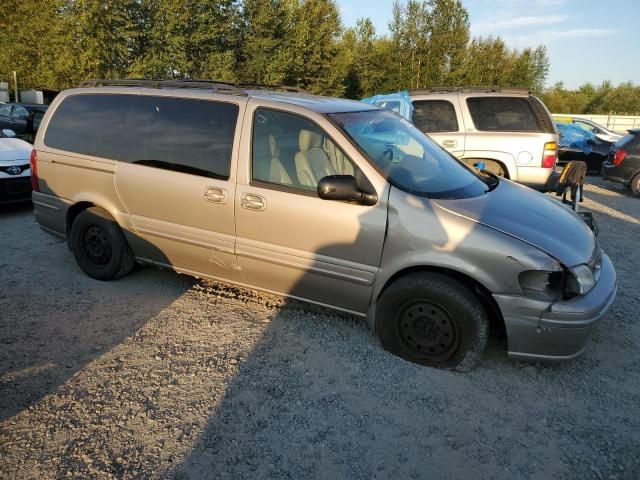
428	330
96	245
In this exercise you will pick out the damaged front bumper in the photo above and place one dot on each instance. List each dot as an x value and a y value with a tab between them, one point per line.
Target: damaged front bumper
555	332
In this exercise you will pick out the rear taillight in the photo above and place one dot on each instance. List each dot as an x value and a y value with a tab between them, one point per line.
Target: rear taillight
619	157
34	171
549	155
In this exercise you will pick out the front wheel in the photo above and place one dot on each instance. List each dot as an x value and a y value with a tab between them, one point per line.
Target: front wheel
433	320
99	246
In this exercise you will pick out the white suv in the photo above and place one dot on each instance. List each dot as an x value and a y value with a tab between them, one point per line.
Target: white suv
508	130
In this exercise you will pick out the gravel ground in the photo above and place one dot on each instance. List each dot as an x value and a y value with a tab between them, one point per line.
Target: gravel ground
158	375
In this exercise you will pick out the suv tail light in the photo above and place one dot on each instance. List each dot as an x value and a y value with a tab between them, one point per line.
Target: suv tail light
619	156
34	171
549	155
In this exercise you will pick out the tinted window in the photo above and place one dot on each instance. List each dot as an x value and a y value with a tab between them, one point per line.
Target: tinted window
5	110
509	114
20	112
431	116
292	151
187	135
408	158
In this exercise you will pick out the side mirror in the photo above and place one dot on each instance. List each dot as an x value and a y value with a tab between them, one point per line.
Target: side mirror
8	133
344	188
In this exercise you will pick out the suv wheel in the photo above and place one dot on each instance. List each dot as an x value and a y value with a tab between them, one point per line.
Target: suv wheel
433	320
99	246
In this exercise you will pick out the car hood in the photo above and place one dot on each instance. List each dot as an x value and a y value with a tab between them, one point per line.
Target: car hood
14	149
530	216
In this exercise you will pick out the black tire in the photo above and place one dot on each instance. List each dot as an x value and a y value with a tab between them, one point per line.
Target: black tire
634	185
433	320
99	246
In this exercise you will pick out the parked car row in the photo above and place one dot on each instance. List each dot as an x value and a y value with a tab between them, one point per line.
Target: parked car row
23	118
333	202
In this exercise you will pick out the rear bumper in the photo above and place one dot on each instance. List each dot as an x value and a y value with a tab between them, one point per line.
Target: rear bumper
535	177
539	331
611	172
51	213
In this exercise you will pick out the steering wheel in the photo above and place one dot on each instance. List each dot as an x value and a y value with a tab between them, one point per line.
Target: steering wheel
391	154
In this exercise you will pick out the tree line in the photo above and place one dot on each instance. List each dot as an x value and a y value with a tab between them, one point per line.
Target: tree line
55	44
602	99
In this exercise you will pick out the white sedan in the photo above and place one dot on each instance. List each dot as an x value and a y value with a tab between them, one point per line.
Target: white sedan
15	171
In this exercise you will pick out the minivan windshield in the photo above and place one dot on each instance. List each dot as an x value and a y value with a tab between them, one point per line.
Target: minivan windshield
409	159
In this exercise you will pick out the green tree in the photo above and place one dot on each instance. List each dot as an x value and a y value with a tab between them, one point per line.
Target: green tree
267	45
318	64
35	36
366	62
191	39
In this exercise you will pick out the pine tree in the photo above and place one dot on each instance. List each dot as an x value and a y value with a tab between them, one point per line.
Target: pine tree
267	44
317	61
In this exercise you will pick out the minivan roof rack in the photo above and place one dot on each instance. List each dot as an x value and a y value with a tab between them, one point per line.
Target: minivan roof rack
262	86
220	87
522	91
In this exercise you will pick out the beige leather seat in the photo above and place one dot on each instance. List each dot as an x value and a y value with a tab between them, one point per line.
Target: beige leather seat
277	172
312	162
339	161
269	168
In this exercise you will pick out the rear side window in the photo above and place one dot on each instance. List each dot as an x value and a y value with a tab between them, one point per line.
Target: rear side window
432	116
508	114
186	135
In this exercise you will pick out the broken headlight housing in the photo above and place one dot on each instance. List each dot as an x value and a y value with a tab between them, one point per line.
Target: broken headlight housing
559	285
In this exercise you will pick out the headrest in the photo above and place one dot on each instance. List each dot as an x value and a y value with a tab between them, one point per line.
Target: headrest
273	146
308	140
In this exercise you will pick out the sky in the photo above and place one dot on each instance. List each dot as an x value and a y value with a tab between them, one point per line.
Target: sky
587	40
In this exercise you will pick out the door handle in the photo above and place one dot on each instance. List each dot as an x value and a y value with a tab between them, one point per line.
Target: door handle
450	143
215	195
251	201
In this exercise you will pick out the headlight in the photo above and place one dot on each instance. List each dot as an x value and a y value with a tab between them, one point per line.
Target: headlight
580	280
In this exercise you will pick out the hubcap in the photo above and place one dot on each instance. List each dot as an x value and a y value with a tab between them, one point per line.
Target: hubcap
427	329
96	245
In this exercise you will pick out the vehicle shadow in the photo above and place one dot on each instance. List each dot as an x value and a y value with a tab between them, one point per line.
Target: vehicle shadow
318	397
55	319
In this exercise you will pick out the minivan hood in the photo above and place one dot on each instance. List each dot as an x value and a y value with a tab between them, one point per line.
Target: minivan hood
530	216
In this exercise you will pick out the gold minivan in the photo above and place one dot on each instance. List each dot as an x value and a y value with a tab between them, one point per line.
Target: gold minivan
326	200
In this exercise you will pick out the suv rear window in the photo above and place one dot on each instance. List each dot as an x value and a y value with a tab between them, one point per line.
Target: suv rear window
186	135
507	114
432	116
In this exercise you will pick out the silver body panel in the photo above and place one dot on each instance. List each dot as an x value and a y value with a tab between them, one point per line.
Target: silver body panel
337	254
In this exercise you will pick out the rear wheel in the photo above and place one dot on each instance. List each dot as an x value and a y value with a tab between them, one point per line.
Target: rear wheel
99	246
433	320
634	185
